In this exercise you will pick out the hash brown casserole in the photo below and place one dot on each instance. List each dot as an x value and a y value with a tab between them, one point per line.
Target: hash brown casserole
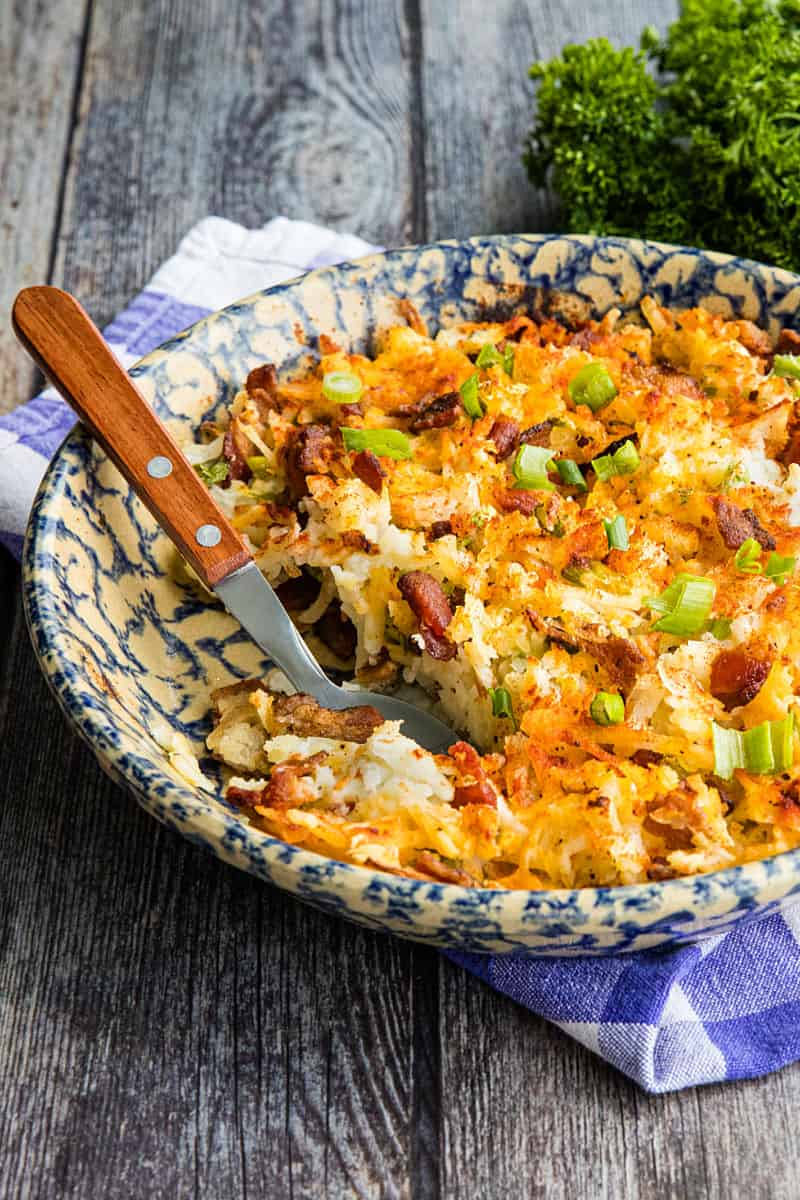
580	542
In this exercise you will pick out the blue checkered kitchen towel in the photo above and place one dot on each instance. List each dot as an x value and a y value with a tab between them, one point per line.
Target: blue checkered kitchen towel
728	1008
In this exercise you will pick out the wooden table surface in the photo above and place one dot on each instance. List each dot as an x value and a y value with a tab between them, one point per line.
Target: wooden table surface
168	1026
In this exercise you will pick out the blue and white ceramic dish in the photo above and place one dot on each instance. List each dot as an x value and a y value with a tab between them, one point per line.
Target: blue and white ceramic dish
130	653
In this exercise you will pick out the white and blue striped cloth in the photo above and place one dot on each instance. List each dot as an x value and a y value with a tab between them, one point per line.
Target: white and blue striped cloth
727	1008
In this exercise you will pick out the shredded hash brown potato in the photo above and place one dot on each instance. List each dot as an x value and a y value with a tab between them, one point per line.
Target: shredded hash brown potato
444	570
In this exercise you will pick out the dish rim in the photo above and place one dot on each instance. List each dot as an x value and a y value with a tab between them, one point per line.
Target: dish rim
677	894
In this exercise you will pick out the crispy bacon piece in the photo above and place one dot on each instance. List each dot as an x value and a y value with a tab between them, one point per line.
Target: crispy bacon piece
426	598
281	790
235	450
505	435
736	525
354	539
245	797
737	677
429	604
367	466
429	863
302	716
262	386
309	451
473	785
647	758
585	338
298	593
479	792
337	631
440	529
345	412
518	500
438	413
788	342
536	435
521	329
756	340
622	659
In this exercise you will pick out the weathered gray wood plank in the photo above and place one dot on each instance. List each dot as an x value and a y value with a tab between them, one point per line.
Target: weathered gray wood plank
478	101
245	111
531	1113
40	53
170	1027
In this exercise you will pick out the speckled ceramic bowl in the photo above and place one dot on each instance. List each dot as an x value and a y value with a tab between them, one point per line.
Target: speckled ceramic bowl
128	651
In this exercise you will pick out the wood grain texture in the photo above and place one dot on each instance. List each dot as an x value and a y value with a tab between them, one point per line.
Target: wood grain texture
169	1027
478	101
40	59
244	110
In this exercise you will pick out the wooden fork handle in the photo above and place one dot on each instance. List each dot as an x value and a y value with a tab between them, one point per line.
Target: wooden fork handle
61	337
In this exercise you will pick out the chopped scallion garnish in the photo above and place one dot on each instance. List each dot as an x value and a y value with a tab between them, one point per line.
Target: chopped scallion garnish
502	705
213	472
490	356
607	708
779	567
470	398
748	557
720	627
530	468
617	533
728	750
258	465
787	366
571	474
592	386
623	461
342	387
386	443
763	750
685	605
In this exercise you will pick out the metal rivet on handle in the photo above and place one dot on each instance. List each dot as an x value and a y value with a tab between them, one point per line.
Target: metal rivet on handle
208	535
159	467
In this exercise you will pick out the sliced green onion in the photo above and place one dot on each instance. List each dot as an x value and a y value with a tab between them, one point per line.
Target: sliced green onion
728	750
258	465
571	474
490	356
607	708
787	366
763	750
470	398
624	461
757	748
555	530
748	557
386	443
720	627
782	735
213	472
592	386
530	468
342	387
685	605
779	567
502	705
617	533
